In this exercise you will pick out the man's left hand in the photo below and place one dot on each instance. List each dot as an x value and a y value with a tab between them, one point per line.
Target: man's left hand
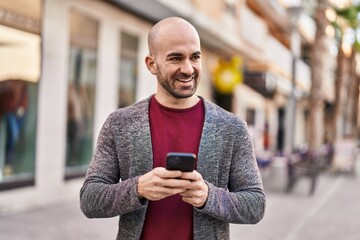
197	193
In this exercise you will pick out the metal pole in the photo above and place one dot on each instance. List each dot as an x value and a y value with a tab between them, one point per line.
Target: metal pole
291	112
294	13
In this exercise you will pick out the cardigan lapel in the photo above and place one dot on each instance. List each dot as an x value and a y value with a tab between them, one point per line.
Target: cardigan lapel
141	141
208	161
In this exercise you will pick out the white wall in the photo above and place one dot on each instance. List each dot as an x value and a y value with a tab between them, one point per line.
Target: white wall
50	186
245	98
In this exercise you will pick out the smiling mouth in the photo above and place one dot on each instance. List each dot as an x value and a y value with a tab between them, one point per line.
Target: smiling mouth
185	80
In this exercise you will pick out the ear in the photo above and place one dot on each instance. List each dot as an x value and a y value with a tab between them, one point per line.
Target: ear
151	64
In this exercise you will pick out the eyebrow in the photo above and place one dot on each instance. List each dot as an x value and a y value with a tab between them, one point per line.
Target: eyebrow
176	54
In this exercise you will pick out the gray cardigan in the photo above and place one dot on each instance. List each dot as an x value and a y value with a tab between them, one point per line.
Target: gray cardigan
226	161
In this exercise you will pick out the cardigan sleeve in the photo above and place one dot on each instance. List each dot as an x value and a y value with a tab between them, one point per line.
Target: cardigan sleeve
103	194
244	200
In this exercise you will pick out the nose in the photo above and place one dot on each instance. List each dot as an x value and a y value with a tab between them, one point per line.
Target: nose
187	67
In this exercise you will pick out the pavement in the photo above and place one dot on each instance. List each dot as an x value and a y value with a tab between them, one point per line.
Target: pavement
56	222
331	213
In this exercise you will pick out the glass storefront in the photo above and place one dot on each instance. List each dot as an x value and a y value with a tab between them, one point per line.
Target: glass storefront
128	69
17	131
20	58
81	93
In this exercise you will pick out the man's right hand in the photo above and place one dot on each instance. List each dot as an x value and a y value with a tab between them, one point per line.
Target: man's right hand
160	183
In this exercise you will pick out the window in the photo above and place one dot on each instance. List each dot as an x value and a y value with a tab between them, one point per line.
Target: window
81	94
18	109
19	75
250	116
20	57
128	69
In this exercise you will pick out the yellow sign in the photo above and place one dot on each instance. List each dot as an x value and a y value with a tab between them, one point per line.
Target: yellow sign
227	75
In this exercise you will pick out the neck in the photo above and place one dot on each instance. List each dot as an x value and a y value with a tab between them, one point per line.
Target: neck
177	103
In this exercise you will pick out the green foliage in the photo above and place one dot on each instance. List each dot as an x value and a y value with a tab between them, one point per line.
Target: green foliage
347	17
356	45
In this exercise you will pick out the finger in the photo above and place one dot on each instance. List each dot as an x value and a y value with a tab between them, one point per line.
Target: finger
164	173
196	202
192	176
195	197
176	183
160	183
196	185
159	193
192	193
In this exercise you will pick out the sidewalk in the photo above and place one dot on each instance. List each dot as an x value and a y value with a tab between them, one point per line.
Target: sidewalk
60	222
332	210
66	221
332	213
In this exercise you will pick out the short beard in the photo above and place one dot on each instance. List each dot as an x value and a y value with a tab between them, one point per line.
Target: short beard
177	94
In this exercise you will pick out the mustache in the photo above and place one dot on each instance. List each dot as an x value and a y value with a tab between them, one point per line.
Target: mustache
183	75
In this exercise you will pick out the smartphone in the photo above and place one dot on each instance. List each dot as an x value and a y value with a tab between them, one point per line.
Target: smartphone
180	161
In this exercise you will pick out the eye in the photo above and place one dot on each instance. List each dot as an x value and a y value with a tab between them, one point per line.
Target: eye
196	57
175	59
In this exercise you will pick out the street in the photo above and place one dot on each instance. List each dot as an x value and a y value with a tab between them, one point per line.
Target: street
331	213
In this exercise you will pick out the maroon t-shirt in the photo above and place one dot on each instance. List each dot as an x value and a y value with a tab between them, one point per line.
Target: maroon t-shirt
172	130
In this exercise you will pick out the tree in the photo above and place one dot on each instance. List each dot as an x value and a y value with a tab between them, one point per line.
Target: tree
347	82
316	111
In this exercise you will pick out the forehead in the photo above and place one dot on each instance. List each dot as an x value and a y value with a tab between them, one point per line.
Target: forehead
180	44
177	38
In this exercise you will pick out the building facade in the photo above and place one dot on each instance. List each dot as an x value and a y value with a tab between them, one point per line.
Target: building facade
69	63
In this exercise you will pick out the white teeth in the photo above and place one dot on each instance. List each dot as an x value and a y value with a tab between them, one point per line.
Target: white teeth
185	80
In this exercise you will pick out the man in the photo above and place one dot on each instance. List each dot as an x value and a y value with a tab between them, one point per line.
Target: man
127	178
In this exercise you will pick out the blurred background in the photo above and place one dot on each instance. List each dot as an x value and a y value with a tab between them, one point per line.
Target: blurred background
289	68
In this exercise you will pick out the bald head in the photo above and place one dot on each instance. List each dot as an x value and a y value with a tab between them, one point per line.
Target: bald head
172	27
